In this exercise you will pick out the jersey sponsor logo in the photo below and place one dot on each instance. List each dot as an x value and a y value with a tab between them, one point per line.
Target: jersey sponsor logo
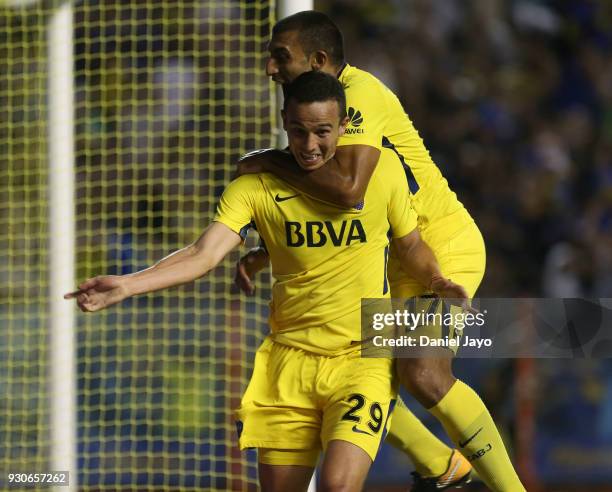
355	121
314	234
279	198
355	118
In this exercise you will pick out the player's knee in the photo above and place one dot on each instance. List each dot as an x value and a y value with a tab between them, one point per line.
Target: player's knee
428	380
336	482
344	468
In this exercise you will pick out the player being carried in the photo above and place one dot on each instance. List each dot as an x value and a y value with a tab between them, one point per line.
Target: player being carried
311	41
303	395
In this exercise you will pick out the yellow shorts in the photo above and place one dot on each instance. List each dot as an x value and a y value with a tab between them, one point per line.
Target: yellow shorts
462	259
297	400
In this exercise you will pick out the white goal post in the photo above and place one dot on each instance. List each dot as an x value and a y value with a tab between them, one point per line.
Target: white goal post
62	377
62	356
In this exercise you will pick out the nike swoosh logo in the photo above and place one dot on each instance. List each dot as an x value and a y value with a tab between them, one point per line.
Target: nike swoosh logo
467	441
355	429
283	198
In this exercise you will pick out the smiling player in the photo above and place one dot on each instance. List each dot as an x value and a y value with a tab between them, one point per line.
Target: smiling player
303	395
311	41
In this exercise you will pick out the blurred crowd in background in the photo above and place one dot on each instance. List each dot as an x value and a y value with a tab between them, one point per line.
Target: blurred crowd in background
514	102
512	97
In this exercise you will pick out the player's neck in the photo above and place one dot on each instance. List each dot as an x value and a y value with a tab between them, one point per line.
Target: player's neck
340	69
332	69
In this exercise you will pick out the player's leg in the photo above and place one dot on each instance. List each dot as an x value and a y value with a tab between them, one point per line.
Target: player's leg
430	456
458	408
464	417
281	470
274	478
428	379
344	468
360	395
469	424
278	416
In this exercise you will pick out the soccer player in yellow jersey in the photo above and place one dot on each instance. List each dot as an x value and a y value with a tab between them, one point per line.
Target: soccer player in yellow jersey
311	41
310	388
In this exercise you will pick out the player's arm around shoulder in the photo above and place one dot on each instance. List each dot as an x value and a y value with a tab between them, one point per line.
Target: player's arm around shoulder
342	181
261	160
355	164
360	145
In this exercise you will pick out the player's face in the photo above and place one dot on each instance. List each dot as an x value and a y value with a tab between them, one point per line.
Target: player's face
287	59
313	130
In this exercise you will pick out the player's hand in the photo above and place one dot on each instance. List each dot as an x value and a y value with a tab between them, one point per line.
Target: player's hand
448	289
99	292
252	163
247	267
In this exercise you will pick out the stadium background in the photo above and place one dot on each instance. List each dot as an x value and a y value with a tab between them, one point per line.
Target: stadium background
514	100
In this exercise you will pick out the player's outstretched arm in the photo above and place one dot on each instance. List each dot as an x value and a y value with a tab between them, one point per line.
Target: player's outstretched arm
418	260
184	265
342	181
248	266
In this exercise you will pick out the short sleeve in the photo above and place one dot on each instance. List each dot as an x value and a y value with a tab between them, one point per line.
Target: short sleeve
236	207
366	107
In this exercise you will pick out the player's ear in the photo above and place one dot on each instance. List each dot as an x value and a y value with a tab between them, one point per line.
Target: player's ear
318	60
343	124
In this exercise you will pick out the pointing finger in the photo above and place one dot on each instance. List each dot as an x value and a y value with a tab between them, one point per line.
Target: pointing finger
73	294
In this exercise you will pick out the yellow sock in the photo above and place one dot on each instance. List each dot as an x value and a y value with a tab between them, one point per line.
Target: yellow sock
408	434
469	424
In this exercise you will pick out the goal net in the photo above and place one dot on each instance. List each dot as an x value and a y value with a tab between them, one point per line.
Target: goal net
167	96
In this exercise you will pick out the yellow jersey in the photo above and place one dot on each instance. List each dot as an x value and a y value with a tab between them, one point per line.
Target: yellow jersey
377	119
324	259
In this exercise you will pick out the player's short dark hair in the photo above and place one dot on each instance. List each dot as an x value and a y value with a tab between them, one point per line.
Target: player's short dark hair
316	86
316	32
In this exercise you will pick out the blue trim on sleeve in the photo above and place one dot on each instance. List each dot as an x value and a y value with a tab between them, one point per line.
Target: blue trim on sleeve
245	230
413	186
